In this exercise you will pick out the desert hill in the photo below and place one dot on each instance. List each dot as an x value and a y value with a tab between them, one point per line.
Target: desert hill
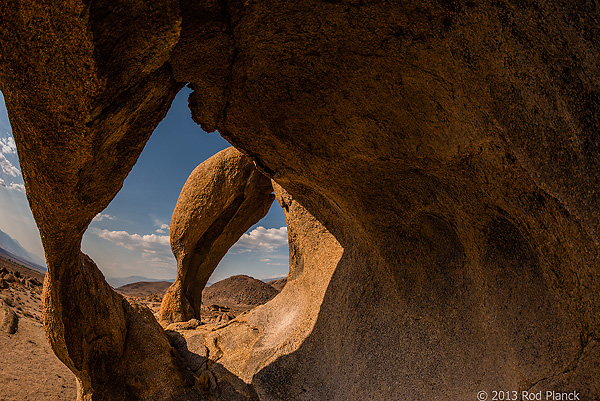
237	291
144	288
116	282
221	301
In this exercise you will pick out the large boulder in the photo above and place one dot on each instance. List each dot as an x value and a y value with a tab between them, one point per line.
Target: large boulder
9	321
449	148
222	198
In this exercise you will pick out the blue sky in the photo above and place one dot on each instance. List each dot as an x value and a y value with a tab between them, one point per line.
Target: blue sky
131	236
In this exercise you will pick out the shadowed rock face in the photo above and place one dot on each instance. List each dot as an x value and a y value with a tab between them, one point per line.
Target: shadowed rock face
449	147
222	198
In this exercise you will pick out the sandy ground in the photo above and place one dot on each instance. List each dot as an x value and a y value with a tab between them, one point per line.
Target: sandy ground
29	370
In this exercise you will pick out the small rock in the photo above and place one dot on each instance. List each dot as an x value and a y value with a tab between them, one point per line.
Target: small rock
10	278
196	345
175	339
7	299
34	282
189	325
207	381
3	283
9	322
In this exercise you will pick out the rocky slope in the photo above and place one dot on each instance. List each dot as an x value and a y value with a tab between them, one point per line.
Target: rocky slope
278	284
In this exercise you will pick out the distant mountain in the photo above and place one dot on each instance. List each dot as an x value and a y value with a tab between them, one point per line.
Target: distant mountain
278	284
11	249
116	282
145	288
269	279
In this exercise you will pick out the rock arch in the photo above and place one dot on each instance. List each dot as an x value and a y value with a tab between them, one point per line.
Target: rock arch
220	201
371	115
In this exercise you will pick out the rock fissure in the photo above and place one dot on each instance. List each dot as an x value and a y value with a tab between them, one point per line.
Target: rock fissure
572	367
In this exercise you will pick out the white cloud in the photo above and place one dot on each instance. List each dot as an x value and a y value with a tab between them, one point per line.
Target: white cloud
17	187
7	167
154	250
103	216
147	244
7	145
262	239
14	186
163	229
269	261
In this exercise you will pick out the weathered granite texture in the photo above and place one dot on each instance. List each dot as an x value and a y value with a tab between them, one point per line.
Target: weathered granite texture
222	198
255	340
449	147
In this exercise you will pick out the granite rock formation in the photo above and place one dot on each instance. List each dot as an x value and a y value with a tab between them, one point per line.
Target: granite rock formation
262	337
222	198
81	108
449	147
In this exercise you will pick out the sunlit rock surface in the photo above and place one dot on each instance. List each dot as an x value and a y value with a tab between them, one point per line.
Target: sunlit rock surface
222	198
